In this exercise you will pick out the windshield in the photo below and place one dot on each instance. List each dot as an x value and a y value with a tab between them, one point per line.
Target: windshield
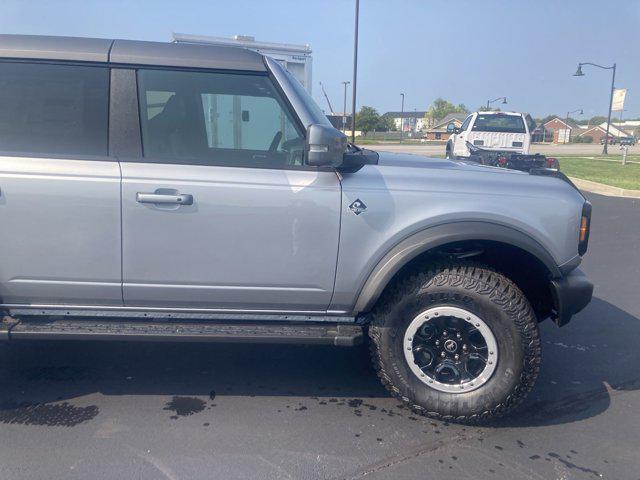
499	123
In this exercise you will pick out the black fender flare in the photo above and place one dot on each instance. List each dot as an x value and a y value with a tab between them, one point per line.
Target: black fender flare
433	237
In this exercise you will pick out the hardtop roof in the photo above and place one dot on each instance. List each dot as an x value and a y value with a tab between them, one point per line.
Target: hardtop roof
130	52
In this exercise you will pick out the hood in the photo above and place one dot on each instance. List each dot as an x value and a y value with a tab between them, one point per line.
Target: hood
408	172
388	159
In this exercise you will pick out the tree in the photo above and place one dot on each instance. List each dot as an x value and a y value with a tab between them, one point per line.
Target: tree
597	120
385	124
483	108
546	119
367	119
440	108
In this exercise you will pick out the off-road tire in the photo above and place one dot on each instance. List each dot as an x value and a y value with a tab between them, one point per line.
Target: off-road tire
448	152
482	291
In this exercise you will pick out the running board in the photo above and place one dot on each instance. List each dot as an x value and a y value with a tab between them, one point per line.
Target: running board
159	330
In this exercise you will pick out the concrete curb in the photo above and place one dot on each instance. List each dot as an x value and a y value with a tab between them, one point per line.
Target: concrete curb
602	189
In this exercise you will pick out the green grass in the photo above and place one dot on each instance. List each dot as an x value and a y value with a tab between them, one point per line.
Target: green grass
604	169
406	141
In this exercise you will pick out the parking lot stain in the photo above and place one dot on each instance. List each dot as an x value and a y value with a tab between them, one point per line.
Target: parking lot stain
571	465
51	415
185	406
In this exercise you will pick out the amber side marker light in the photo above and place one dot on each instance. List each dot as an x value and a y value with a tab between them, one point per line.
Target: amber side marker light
585	227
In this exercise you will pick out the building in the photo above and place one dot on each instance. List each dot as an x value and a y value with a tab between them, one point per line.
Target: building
439	130
596	133
295	58
410	121
557	130
616	131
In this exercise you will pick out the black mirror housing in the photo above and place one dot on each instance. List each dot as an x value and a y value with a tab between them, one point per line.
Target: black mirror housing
325	146
451	128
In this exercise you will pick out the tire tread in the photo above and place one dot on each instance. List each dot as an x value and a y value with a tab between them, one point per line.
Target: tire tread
484	281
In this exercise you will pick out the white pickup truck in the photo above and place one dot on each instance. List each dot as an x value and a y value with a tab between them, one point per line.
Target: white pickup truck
496	131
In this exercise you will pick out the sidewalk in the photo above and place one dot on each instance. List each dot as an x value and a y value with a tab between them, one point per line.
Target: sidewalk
602	189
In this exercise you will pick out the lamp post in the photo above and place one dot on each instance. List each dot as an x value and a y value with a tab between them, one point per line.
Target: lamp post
504	101
579	110
344	107
402	118
579	73
355	75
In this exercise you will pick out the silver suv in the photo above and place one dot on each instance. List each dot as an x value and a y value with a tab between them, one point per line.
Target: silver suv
191	192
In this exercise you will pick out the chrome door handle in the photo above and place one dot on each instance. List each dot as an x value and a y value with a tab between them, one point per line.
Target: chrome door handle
164	199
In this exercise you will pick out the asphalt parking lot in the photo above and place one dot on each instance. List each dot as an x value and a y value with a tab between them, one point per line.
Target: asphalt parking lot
197	411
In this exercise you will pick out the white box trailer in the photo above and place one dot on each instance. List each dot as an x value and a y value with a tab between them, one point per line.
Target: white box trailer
295	58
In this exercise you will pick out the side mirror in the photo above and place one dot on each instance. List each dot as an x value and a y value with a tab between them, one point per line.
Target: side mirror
451	128
325	146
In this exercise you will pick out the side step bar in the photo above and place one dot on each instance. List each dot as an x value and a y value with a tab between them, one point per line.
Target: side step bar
159	330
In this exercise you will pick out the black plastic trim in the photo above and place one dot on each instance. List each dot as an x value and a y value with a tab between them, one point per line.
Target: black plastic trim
439	235
571	294
124	128
586	213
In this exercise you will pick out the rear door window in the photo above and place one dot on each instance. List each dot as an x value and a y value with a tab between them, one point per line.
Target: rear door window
53	109
499	123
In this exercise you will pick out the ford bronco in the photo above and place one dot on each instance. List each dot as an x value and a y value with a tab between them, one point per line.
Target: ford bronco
156	191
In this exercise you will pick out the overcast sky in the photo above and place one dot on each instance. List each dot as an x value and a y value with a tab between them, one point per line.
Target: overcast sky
464	51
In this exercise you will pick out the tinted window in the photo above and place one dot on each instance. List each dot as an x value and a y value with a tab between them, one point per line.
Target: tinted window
53	109
499	123
465	124
217	119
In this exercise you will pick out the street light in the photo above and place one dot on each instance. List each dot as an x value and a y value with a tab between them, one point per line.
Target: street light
402	117
355	75
344	107
580	112
579	73
504	101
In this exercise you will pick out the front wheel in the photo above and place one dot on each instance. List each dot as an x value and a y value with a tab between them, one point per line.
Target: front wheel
448	152
456	342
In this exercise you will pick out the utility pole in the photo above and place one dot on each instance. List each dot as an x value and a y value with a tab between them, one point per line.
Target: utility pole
344	107
355	75
402	118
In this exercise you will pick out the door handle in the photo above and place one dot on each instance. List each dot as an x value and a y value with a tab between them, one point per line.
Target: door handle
165	199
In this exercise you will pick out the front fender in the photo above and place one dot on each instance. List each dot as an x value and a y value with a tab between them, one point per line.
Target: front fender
433	237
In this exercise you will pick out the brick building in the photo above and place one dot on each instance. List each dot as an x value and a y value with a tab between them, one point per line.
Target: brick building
561	131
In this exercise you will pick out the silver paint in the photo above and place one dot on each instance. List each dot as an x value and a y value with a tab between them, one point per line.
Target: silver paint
60	232
253	238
